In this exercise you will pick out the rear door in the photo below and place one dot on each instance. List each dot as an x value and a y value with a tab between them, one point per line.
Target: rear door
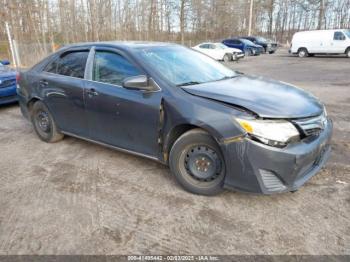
124	118
62	86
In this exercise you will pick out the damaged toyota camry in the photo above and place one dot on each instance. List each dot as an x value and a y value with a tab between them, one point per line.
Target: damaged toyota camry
214	127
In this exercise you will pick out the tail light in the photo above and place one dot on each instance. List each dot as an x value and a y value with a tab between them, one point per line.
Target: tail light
18	77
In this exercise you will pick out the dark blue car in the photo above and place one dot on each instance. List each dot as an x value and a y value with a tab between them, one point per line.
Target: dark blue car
248	47
7	83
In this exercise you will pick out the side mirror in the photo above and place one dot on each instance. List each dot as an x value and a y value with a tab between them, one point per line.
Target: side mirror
5	62
139	82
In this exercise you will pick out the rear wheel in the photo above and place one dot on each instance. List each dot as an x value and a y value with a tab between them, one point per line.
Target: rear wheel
302	52
197	163
43	123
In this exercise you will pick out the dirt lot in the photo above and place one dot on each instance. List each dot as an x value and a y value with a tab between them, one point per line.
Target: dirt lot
75	197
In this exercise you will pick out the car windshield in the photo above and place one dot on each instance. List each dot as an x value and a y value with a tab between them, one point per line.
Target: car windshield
347	32
183	66
247	42
220	45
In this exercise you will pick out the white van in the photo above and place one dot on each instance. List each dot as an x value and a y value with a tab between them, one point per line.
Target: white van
309	43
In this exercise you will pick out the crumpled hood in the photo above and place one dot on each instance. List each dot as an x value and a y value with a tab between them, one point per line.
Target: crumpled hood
266	98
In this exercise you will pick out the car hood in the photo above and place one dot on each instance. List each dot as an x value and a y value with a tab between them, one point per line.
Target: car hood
266	98
6	72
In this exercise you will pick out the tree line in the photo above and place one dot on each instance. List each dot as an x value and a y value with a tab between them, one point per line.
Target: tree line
46	22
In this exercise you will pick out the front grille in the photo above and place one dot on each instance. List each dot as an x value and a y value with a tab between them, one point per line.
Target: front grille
312	126
7	83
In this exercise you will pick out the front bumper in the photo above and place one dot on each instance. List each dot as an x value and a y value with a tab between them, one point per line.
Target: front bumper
258	168
239	55
8	95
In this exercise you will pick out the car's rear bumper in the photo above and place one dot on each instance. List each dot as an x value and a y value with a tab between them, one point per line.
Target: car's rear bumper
8	95
271	49
23	105
257	168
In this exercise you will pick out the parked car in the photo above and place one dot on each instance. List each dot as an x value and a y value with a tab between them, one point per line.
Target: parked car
309	43
268	45
248	47
7	83
219	51
214	127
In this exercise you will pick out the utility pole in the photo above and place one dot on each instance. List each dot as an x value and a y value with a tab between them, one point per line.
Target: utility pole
250	17
11	44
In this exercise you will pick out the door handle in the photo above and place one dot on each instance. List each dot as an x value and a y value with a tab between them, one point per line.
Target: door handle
92	92
43	83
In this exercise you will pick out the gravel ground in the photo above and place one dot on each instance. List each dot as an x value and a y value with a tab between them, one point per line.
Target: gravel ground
75	197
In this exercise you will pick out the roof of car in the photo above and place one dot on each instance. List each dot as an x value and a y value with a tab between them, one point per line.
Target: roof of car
124	44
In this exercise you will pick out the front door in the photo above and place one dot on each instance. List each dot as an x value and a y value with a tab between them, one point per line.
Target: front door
117	116
338	43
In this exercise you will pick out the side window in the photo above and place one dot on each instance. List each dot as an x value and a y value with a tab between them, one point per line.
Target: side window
339	36
236	42
112	68
211	46
206	46
70	64
73	64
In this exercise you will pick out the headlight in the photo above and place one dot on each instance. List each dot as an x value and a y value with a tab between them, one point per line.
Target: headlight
270	132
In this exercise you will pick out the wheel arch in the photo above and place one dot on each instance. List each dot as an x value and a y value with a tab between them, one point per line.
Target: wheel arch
178	131
302	47
31	102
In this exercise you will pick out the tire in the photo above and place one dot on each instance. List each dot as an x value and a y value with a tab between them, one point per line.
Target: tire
271	52
226	58
302	52
43	123
197	163
347	52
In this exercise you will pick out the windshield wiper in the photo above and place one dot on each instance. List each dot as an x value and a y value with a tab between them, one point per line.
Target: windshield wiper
190	83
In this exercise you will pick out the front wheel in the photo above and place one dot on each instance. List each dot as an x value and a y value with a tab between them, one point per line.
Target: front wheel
226	58
43	123
348	52
197	163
